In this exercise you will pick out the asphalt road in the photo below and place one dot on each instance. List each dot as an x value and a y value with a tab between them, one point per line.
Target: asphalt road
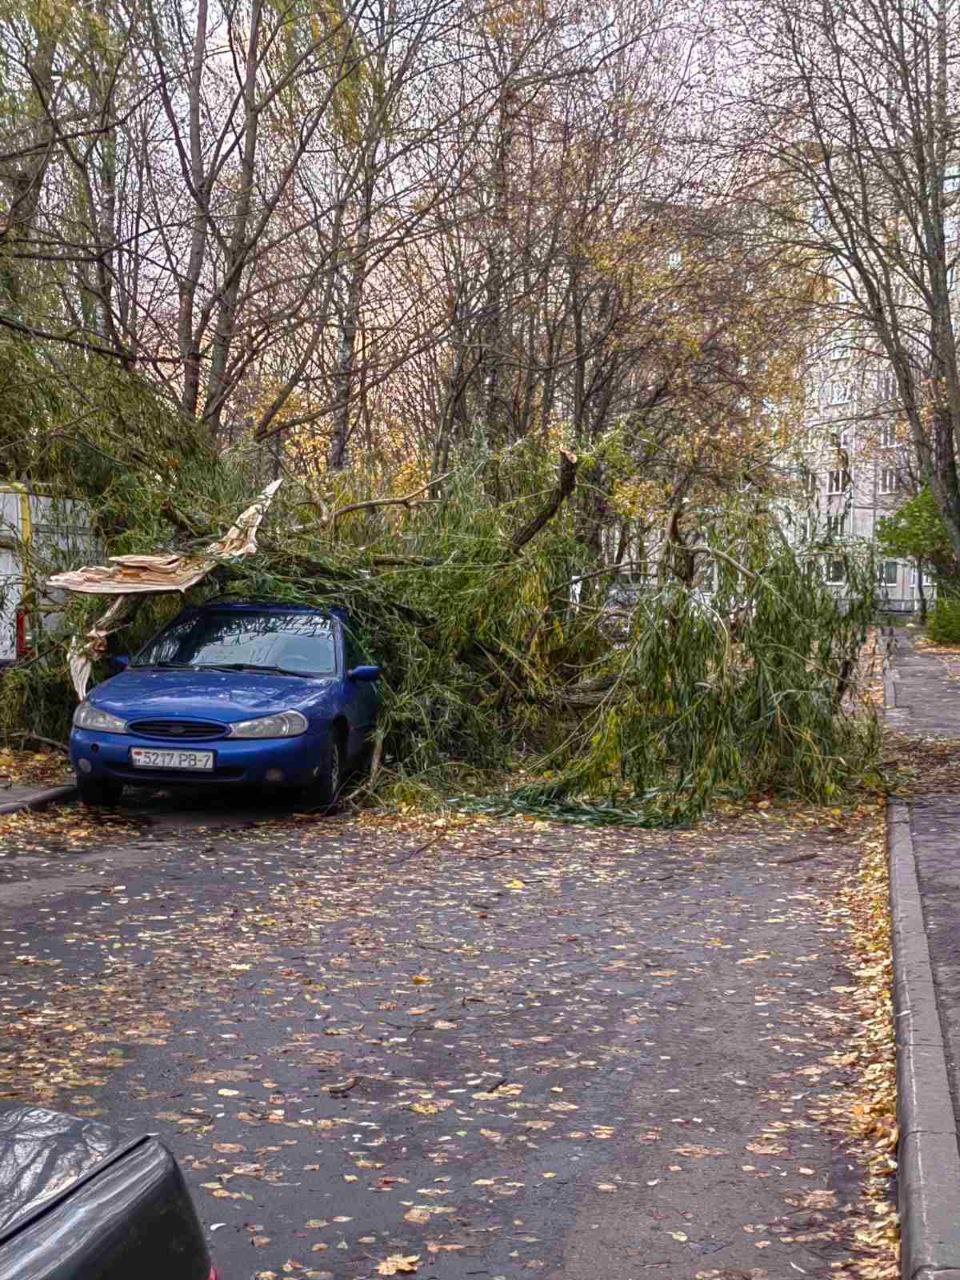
499	1050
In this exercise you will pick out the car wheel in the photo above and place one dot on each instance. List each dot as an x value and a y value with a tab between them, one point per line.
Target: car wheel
99	791
330	779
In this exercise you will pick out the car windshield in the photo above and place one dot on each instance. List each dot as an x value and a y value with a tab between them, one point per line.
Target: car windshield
291	643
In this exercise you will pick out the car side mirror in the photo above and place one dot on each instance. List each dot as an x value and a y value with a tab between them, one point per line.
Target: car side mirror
119	662
364	673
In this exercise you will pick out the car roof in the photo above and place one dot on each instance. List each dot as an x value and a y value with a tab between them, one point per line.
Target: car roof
42	1154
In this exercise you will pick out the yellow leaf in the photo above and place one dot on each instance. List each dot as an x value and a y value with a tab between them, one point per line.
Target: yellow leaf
398	1263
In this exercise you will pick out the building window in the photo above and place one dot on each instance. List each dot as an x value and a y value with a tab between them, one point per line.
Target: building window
843	438
837	525
888	385
674	258
835	571
838	481
888	435
810	484
838	391
889	570
889	481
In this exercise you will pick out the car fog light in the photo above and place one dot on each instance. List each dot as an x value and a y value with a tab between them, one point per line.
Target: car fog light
84	766
274	775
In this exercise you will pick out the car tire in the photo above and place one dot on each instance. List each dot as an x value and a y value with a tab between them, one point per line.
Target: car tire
99	791
325	793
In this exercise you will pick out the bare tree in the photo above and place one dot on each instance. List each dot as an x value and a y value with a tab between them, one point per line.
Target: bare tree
415	226
852	115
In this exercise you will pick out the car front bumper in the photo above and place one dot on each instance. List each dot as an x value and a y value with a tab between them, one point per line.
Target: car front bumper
236	761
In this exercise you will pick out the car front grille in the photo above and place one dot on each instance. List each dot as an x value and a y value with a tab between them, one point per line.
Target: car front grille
177	730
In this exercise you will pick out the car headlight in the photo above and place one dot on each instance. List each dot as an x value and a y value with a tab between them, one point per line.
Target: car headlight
87	716
285	724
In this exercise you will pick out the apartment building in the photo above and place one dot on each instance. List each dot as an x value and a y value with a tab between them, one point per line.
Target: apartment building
856	465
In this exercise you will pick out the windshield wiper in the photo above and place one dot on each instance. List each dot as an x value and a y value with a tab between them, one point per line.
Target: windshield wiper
250	666
164	666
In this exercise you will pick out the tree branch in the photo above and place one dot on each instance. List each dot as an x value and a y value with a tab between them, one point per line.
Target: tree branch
566	483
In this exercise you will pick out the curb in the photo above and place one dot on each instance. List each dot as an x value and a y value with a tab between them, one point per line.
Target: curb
889	692
929	1158
41	799
889	648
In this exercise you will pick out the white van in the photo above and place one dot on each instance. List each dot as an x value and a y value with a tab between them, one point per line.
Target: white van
39	535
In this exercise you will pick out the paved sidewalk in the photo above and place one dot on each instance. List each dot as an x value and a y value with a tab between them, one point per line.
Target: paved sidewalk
923	691
923	702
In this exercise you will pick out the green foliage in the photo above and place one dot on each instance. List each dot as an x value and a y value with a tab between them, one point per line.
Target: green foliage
917	532
944	624
78	424
742	692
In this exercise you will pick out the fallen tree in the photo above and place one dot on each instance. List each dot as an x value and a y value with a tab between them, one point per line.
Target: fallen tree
502	688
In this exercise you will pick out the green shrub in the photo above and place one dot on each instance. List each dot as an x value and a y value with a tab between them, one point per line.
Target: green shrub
944	626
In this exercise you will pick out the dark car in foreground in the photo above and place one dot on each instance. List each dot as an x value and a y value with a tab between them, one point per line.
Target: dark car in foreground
231	693
78	1202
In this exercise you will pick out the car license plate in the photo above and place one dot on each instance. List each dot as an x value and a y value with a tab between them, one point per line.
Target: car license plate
164	758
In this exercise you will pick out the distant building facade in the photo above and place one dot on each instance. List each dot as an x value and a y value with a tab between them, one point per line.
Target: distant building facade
856	466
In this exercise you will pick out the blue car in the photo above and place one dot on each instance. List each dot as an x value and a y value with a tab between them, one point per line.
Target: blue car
231	694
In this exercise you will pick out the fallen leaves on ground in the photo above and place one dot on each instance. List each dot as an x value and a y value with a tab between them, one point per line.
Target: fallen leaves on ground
921	766
62	828
398	1264
869	1111
46	768
507	1075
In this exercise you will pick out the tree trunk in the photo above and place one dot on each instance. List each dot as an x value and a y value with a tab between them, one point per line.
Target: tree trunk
238	249
354	273
24	179
187	339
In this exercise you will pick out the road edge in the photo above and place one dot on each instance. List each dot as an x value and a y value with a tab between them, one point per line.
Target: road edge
40	799
929	1157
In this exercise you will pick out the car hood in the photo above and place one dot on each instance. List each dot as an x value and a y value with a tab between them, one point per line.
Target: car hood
210	695
42	1153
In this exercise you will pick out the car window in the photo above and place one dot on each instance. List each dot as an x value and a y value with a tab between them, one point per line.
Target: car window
301	643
